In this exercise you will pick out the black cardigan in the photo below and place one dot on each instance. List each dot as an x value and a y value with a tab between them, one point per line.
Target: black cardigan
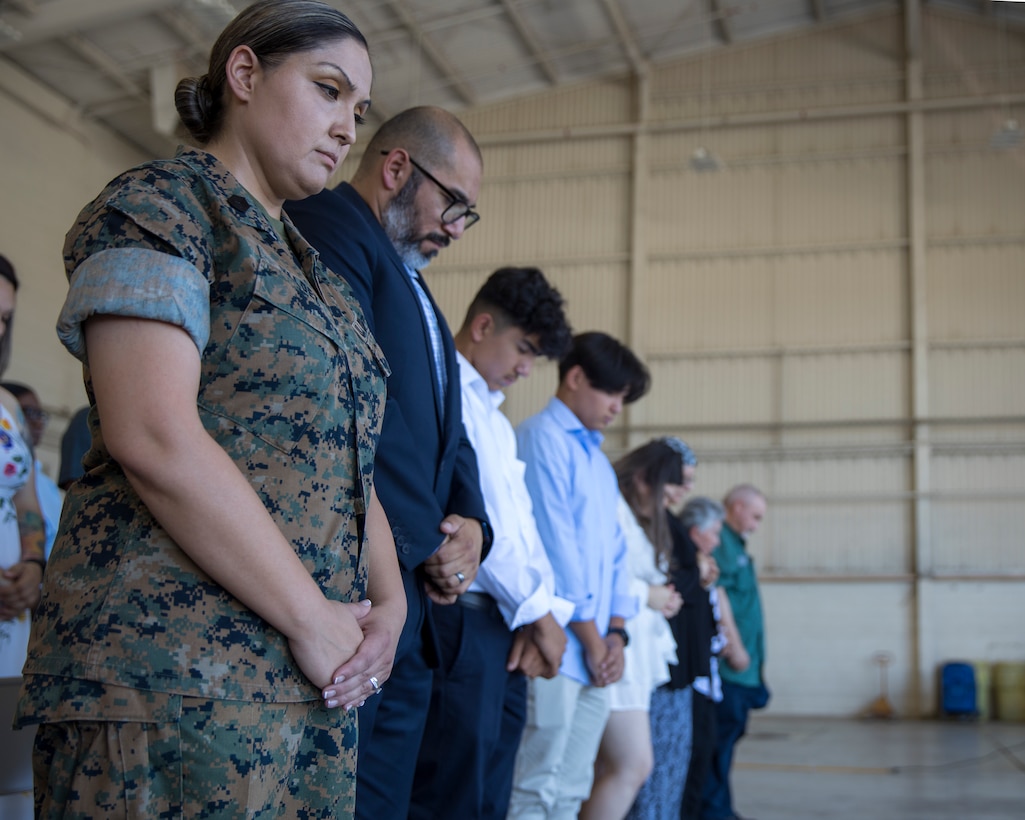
694	625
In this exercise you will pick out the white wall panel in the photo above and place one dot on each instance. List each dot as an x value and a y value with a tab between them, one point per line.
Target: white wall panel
825	635
979	511
789	300
977	193
695	212
978	382
979	535
851	297
713	303
727	390
845	386
557	217
841	201
977	291
841	515
843	537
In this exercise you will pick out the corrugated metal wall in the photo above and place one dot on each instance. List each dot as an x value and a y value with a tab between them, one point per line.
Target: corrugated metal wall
837	314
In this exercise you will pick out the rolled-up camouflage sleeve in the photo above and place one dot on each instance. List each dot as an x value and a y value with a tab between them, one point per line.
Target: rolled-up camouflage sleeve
139	283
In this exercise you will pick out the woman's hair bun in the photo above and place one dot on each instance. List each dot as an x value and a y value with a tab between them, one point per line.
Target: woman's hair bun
196	107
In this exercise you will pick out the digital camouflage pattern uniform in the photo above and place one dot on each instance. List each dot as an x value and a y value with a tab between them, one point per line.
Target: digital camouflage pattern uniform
131	637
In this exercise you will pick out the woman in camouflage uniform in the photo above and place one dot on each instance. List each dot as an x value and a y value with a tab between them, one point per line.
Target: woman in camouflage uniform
203	633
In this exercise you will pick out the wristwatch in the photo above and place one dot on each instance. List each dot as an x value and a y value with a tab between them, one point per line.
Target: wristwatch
618	630
489	537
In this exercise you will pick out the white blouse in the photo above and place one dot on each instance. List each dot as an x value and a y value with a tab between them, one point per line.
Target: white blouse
652	646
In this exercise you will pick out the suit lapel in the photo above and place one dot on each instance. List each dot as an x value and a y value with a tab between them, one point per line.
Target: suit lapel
428	345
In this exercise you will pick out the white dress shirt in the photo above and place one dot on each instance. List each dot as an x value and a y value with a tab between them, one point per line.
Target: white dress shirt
517	572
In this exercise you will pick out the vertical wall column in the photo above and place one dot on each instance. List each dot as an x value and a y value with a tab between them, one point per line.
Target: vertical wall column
921	557
638	255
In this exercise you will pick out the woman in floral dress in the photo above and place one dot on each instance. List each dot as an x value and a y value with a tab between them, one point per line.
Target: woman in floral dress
21	522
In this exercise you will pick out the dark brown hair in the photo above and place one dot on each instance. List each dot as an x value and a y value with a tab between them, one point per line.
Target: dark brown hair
7	272
273	29
656	463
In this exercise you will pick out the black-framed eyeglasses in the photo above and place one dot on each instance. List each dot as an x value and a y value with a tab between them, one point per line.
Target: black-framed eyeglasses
459	209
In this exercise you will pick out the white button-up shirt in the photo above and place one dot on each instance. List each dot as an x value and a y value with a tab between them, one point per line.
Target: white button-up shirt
517	572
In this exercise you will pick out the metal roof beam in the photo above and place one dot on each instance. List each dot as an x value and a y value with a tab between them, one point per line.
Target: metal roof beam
527	35
197	44
24	6
721	15
98	58
626	37
62	18
441	62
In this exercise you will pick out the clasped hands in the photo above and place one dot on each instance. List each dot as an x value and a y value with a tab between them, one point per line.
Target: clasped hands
537	648
453	566
19	589
349	651
665	599
605	662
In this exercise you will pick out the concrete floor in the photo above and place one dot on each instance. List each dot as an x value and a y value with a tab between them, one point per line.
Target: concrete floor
797	768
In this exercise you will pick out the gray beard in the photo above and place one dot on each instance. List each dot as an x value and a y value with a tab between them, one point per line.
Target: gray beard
399	222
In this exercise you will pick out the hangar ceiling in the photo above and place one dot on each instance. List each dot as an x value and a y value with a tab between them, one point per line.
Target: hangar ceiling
116	61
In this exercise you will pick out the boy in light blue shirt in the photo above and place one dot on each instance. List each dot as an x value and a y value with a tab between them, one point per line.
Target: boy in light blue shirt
574	492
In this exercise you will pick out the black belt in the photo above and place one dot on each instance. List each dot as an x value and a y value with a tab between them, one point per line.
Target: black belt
480	601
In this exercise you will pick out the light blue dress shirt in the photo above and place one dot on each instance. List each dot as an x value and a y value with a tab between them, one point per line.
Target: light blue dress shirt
437	345
575	495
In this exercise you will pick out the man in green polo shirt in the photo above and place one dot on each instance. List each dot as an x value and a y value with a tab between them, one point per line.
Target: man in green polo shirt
741	691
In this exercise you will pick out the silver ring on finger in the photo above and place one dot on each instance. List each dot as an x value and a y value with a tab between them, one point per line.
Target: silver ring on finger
460	577
376	684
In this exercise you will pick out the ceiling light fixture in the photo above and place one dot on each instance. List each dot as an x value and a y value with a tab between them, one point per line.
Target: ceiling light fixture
703	160
1009	134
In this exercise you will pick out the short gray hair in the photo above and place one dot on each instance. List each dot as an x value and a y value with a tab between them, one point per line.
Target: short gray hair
702	513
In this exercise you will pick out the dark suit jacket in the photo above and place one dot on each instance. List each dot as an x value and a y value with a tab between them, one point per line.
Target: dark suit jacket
425	467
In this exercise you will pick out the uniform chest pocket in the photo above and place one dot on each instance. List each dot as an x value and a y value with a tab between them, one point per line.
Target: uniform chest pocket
744	579
270	367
